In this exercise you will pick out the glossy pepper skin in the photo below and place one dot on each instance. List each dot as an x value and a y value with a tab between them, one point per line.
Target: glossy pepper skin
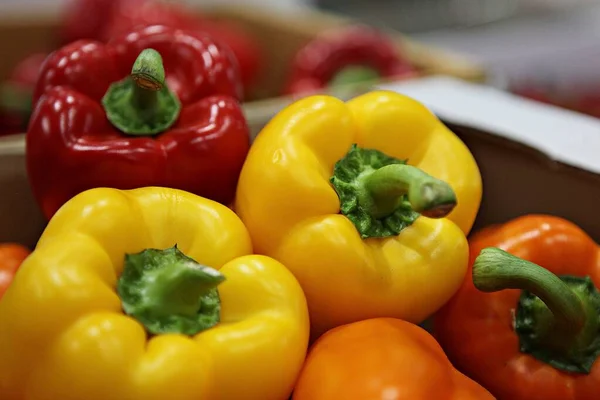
72	146
65	336
380	359
16	94
130	14
292	211
85	19
316	64
478	330
11	257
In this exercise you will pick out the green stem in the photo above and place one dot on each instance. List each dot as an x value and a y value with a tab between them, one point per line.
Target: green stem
177	289
148	71
142	104
427	195
170	292
382	195
495	269
557	318
354	74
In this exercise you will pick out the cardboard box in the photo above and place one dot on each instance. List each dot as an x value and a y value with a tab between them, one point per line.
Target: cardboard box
533	158
281	34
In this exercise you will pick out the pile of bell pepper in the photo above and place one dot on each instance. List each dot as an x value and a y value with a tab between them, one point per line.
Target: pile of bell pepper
347	57
101	20
181	262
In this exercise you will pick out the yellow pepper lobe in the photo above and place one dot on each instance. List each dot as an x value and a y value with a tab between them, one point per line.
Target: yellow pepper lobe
64	335
169	292
295	214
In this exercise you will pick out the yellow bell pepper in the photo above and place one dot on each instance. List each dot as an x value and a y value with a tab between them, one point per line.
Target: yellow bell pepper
238	330
366	234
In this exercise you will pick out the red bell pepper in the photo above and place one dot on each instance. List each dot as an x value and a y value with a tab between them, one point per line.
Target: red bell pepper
85	19
101	123
16	93
103	19
528	328
347	55
130	14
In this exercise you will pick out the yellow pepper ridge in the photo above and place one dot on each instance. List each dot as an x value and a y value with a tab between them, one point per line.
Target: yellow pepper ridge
354	266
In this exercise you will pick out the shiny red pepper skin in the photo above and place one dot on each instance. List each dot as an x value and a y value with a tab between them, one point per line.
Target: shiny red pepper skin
72	147
131	14
315	64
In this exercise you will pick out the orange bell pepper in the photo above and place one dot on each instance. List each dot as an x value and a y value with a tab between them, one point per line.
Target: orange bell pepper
527	331
11	257
382	359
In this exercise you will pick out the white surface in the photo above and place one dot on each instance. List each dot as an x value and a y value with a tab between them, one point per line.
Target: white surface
560	49
563	135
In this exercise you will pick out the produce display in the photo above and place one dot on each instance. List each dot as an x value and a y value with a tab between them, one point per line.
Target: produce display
103	20
331	258
338	58
348	55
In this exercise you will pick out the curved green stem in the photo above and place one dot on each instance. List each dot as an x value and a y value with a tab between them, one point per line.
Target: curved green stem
557	318
427	195
142	104
495	269
382	195
170	292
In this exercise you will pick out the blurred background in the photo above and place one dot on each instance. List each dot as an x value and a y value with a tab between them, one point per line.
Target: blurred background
547	50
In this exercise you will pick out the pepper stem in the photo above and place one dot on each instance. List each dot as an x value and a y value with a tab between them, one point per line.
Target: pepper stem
557	317
385	187
142	104
148	71
177	289
495	269
170	292
354	74
382	195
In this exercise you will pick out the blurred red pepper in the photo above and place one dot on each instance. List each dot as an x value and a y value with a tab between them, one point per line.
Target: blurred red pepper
103	19
127	15
95	125
86	19
347	55
16	93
